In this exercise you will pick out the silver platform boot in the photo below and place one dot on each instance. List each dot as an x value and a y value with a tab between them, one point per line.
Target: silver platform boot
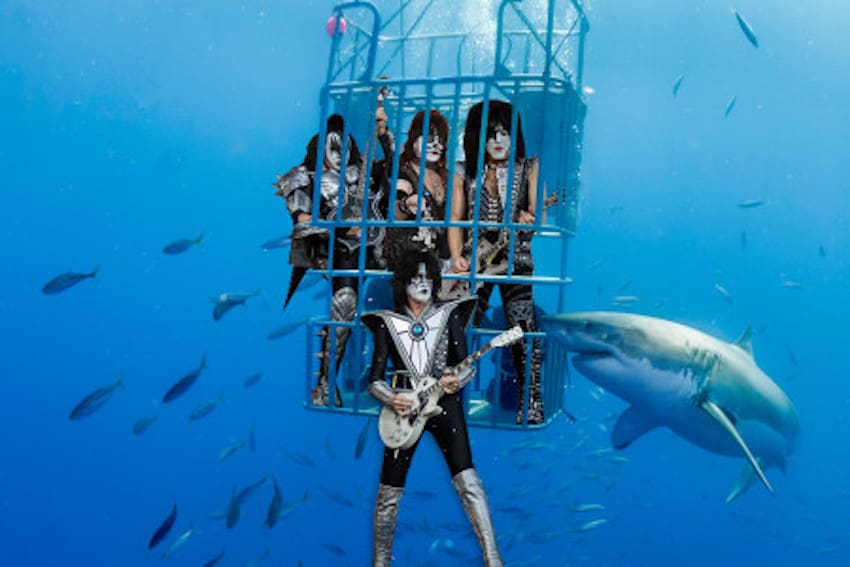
386	514
471	492
343	308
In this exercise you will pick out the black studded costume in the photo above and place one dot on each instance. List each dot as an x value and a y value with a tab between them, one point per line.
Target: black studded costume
493	197
309	248
431	238
425	346
403	239
517	299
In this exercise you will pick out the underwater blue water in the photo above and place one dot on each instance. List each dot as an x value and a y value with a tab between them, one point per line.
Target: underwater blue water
127	125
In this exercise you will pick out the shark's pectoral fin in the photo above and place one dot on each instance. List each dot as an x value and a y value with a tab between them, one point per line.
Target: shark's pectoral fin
714	411
744	482
631	424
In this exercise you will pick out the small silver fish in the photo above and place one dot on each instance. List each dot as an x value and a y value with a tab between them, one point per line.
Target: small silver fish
94	401
361	439
283	331
588	508
724	293
790	284
752	203
178	543
729	106
181	386
230	449
677	83
164	527
275	243
746	28
252	380
592	524
274	506
216	559
228	300
624	299
233	508
66	280
299	458
205	408
181	245
142	425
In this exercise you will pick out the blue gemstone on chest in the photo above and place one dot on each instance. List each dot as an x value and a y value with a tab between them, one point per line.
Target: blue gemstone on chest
418	330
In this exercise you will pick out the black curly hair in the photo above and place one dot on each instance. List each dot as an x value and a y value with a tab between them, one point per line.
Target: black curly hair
407	267
336	123
500	113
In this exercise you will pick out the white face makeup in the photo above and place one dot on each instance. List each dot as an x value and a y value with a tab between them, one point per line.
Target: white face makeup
420	287
433	151
499	143
333	150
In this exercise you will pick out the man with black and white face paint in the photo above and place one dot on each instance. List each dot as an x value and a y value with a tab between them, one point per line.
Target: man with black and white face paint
420	288
338	165
423	147
498	144
333	151
488	193
434	149
424	338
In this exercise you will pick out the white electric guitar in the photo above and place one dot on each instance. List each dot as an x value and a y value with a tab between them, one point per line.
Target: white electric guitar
402	431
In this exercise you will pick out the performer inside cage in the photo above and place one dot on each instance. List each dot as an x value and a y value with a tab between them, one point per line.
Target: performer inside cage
309	248
425	338
434	145
492	257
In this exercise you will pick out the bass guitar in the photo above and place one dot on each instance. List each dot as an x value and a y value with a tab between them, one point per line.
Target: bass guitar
487	254
402	431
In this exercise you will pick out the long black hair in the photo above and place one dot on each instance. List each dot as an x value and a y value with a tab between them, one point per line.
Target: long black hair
407	267
336	123
500	112
438	125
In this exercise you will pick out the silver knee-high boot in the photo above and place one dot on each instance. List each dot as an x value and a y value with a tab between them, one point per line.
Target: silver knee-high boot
343	308
386	514
471	492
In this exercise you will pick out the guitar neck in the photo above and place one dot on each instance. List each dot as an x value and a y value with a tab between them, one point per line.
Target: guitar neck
486	255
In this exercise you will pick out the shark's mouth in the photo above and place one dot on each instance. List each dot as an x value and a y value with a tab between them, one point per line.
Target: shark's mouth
590	355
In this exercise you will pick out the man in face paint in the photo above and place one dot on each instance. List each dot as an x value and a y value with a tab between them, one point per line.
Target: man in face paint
493	191
338	167
424	337
428	150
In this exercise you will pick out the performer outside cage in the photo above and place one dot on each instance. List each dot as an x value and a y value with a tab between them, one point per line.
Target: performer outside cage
401	240
492	258
309	248
425	338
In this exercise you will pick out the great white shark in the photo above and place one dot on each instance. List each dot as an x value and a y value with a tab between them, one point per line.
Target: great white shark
706	390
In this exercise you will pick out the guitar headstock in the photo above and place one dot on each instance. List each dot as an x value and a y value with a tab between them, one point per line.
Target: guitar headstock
509	337
551	200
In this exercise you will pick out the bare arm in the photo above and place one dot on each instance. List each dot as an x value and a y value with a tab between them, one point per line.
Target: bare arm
527	217
455	233
406	200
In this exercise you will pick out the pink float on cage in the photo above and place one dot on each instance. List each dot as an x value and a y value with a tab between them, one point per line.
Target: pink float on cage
330	26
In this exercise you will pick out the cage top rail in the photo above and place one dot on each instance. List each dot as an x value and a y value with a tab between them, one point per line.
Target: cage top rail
359	58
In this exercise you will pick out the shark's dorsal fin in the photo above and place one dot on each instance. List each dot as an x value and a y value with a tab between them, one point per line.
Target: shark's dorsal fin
720	416
631	424
745	341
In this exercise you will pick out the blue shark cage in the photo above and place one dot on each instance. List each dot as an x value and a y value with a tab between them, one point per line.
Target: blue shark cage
444	55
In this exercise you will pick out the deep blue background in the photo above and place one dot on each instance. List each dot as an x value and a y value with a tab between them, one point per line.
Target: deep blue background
126	125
